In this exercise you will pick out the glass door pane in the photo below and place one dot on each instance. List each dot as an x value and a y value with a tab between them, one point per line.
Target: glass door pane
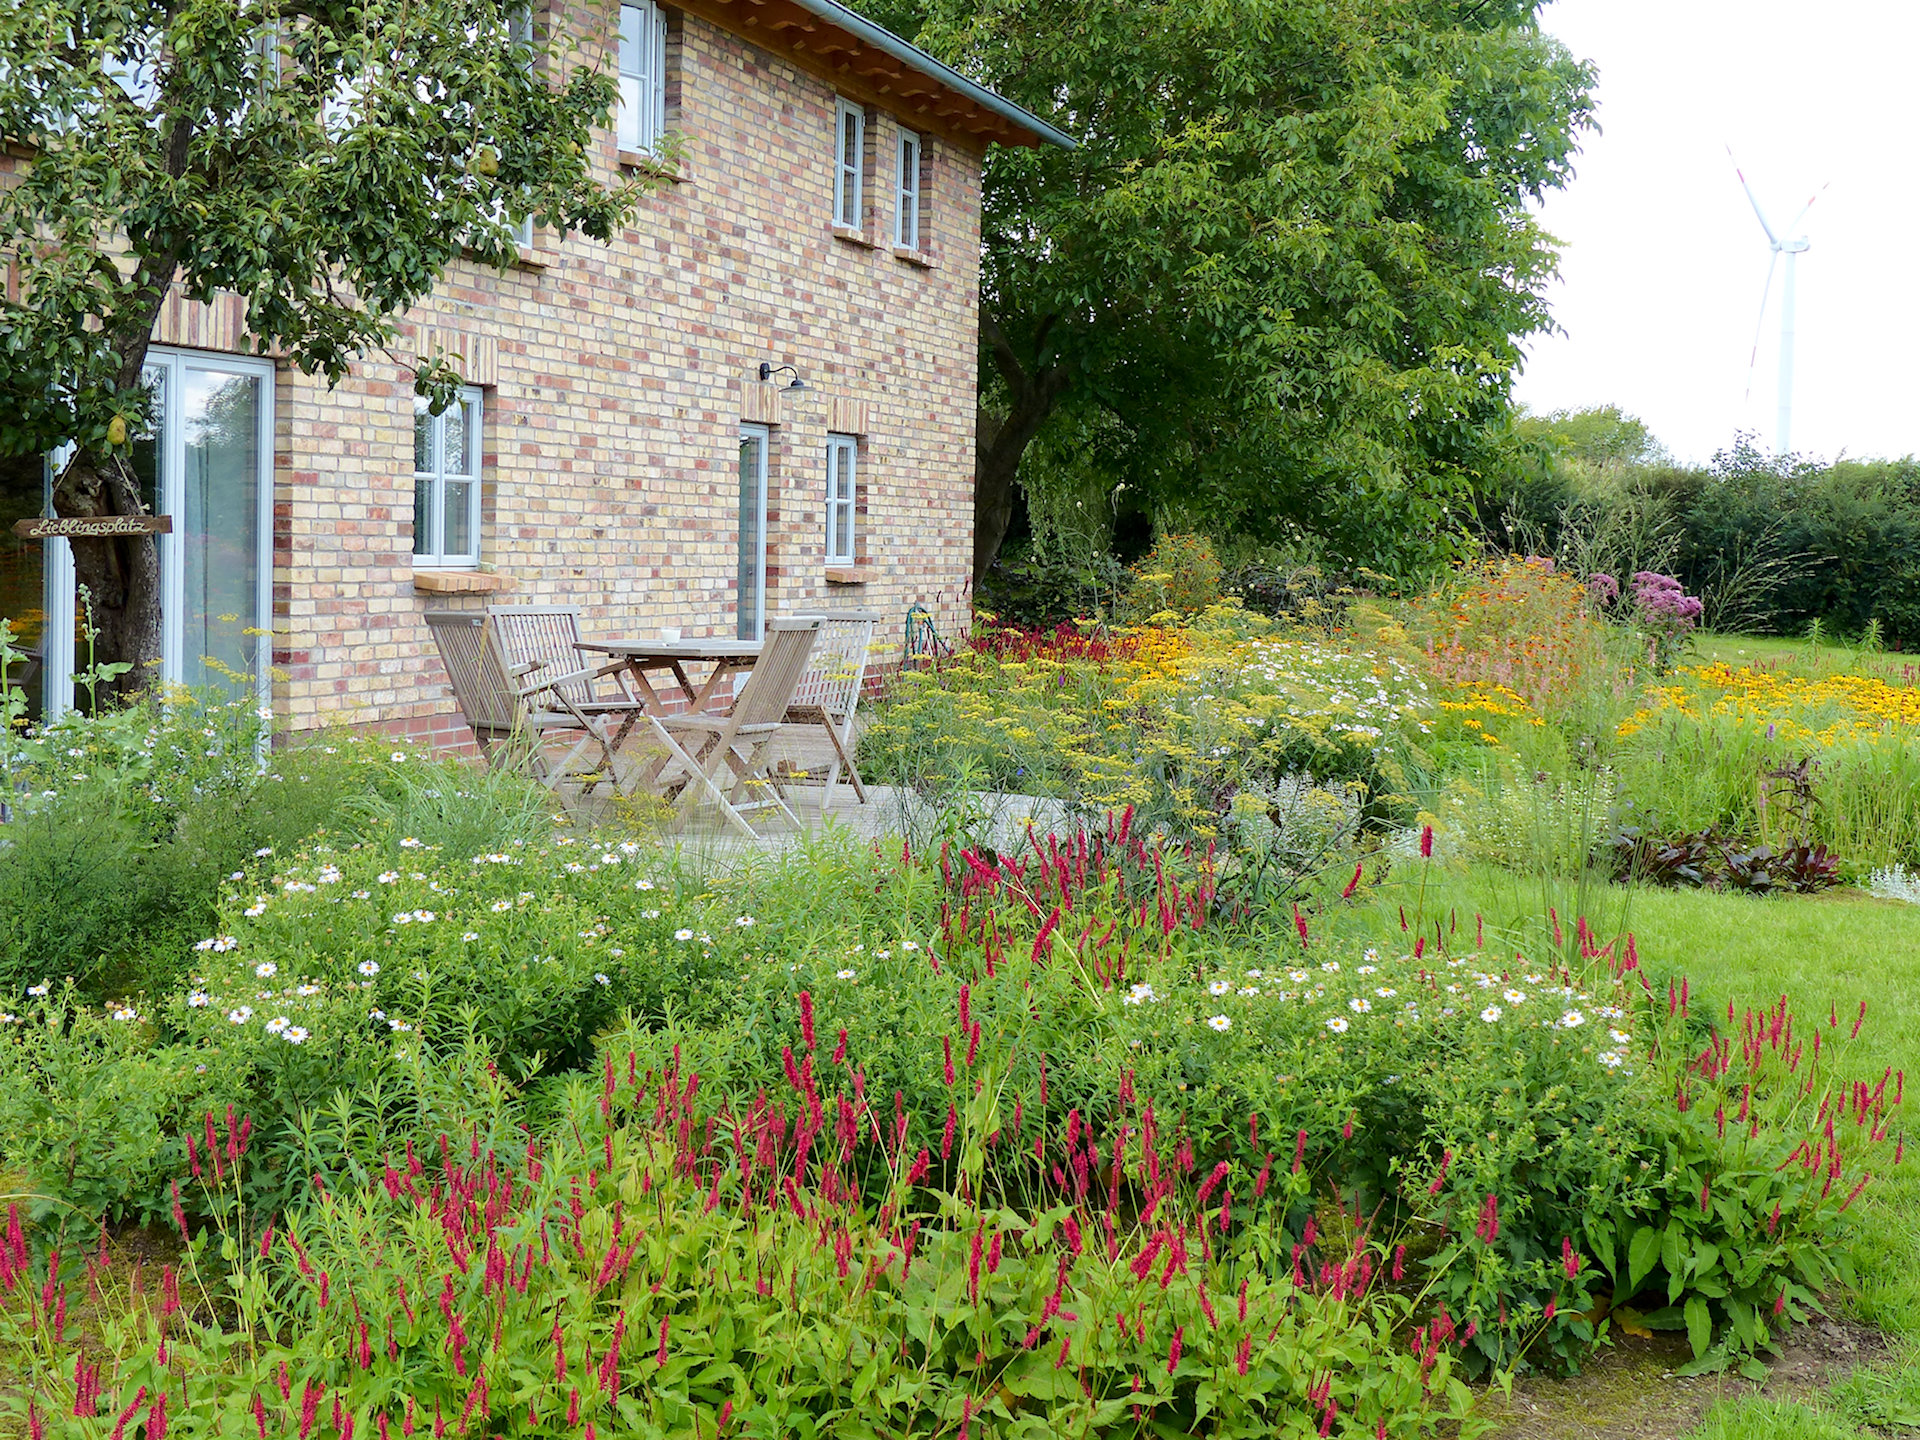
23	576
751	580
217	516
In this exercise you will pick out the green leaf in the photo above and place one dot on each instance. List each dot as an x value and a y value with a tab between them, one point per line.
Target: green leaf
1699	1325
1642	1251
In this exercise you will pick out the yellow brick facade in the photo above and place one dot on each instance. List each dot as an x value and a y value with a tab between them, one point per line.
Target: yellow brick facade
615	380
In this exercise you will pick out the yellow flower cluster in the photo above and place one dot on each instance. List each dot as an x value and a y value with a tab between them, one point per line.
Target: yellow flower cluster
1828	710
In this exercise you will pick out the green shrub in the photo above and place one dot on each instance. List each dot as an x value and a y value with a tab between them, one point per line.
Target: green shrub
657	1263
1180	575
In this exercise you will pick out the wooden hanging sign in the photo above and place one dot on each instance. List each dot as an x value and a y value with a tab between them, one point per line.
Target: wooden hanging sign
93	527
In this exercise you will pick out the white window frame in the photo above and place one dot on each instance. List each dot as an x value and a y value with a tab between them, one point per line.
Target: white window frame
641	115
434	556
843	495
906	202
849	133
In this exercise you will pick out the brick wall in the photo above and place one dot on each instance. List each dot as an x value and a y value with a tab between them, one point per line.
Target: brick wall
615	381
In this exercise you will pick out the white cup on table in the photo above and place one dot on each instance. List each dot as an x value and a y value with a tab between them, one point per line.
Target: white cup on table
670	634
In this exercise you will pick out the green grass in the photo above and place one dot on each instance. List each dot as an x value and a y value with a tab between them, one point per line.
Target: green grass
1779	652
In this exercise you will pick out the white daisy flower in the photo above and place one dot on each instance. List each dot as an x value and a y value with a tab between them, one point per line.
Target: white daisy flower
1219	1022
1491	1014
1385	992
471	935
843	974
1337	1024
1332	967
1619	1037
600	979
1573	1019
295	1035
266	969
306	992
1139	994
1299	977
1253	975
199	999
263	852
500	907
409	843
744	921
643	885
361	894
368	967
1219	987
241	1015
125	1012
39	989
1360	1005
376	1014
256	910
683	934
1609	1059
1248	990
277	1024
398	1026
1366	970
387	877
1514	997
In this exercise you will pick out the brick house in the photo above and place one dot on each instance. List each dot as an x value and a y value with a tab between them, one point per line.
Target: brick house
629	440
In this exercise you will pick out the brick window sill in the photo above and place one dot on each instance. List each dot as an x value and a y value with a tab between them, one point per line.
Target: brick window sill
532	258
913	257
855	237
848	574
461	582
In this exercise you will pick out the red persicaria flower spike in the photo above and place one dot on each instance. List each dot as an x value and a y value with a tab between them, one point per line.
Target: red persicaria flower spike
966	1416
966	1013
840	1050
806	1018
193	1156
1569	1258
1400	1263
1173	1350
946	1058
1299	1151
1426	845
946	1136
1352	885
139	1399
665	1320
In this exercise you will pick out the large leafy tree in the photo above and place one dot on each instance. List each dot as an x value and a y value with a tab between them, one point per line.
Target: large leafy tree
325	160
1284	281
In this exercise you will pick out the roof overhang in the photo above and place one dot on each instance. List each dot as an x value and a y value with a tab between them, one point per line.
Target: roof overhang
829	39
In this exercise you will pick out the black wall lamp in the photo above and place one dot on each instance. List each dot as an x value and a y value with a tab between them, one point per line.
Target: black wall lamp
769	370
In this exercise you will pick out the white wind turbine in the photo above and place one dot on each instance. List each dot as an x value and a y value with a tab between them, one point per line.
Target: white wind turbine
1792	248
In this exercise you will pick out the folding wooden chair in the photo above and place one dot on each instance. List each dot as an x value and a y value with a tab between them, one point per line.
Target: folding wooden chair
512	722
541	644
830	690
738	740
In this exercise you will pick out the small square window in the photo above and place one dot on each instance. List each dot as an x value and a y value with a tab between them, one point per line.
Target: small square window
842	492
849	163
446	483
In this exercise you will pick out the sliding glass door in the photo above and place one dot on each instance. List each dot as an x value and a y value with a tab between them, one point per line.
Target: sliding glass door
207	461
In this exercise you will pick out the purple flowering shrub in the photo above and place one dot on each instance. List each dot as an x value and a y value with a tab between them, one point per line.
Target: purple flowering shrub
1657	606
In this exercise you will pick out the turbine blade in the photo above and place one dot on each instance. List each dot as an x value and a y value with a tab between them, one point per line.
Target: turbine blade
1808	206
1759	324
1759	214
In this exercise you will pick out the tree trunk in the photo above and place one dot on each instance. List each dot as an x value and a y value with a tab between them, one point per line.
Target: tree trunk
118	578
1000	442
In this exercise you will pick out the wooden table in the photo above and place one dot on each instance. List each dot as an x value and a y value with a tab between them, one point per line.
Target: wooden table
640	656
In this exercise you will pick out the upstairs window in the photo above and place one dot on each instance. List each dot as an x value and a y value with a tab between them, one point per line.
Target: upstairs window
842	456
642	117
906	208
446	483
850	147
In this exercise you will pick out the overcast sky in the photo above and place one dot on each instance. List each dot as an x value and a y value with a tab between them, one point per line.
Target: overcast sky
1663	264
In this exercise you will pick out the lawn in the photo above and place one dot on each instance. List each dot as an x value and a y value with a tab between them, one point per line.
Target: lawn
1804	657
